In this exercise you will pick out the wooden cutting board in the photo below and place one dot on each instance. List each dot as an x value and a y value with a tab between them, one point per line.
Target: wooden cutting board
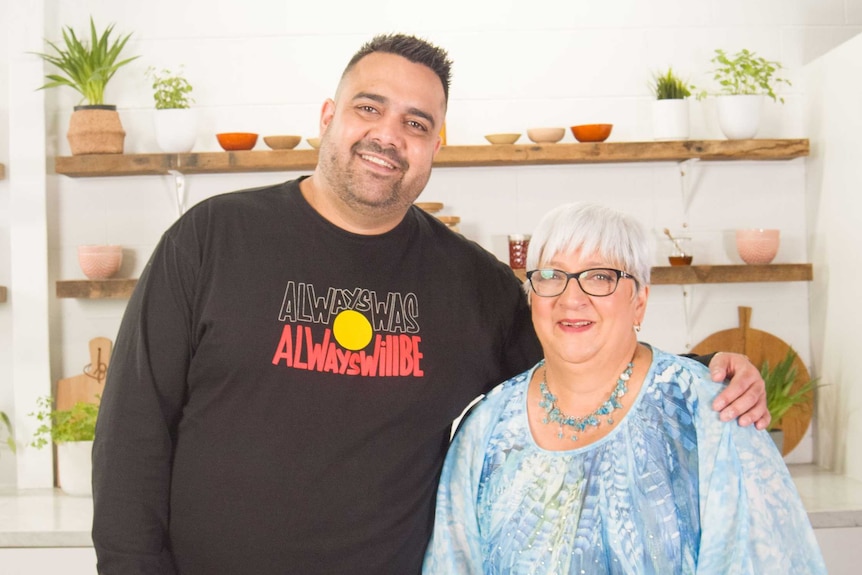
87	386
762	346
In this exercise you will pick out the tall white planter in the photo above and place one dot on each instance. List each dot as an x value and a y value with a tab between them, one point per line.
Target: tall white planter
176	129
739	115
670	120
75	467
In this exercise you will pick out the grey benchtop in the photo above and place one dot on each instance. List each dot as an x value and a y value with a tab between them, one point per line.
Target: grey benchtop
50	518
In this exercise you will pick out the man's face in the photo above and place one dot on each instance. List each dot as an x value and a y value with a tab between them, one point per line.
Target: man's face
380	135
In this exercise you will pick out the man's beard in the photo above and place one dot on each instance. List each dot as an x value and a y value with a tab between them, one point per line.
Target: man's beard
351	185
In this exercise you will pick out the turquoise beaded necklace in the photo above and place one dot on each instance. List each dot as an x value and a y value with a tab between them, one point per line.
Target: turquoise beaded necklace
579	424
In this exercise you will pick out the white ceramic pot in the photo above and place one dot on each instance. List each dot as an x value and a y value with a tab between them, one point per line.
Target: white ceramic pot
739	115
670	120
176	129
75	467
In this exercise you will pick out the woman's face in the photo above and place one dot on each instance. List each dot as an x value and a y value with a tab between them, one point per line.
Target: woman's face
574	327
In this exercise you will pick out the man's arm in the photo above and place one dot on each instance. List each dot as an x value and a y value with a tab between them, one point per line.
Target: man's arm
744	397
140	409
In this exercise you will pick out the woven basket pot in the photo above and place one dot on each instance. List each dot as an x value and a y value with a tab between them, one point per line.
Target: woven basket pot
95	130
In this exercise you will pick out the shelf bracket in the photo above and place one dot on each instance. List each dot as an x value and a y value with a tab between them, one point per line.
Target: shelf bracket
180	190
686	308
685	182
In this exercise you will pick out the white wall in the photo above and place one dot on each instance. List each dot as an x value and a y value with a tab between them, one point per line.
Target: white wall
267	65
834	213
7	470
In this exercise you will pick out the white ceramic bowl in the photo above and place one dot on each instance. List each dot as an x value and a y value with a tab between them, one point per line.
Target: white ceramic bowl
757	246
546	135
99	262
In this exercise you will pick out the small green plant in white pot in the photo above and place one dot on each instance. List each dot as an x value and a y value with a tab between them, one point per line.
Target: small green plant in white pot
744	80
73	431
670	109
175	121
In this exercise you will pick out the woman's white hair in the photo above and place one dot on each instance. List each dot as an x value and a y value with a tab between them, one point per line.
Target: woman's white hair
593	229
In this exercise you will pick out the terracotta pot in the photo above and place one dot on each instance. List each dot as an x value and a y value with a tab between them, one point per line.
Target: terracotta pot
95	130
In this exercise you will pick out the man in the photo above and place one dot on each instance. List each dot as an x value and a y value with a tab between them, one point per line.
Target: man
285	376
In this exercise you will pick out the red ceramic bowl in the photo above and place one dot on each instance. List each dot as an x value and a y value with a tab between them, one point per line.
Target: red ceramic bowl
592	132
233	141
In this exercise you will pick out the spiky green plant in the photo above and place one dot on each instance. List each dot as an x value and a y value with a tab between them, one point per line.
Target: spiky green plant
59	426
780	395
746	73
10	437
88	66
170	90
669	86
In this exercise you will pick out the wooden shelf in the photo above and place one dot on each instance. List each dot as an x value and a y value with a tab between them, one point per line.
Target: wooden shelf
2	294
686	275
96	289
449	156
666	275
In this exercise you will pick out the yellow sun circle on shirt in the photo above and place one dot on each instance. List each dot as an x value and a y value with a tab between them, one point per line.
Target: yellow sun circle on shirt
352	330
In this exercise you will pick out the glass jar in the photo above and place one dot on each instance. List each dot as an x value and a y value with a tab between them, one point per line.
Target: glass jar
518	244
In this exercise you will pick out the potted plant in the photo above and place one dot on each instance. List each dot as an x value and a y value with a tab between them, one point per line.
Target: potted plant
72	430
784	393
744	79
87	67
670	108
174	119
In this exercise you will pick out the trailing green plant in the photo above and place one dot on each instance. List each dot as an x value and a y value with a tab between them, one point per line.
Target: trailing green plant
60	426
746	73
87	67
780	395
7	424
669	86
170	90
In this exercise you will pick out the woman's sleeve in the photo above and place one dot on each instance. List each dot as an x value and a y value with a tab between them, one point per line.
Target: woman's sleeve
752	518
455	545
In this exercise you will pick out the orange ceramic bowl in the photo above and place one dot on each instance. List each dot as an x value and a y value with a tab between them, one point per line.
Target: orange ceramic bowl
232	141
592	132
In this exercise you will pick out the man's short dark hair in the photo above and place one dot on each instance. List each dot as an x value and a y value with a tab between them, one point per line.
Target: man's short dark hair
414	49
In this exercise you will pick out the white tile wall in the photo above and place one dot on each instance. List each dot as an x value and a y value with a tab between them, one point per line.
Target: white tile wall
267	65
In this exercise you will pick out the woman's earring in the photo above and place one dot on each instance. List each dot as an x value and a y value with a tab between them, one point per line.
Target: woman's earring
637	327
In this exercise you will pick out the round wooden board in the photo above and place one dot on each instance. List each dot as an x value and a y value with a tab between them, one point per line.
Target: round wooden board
762	346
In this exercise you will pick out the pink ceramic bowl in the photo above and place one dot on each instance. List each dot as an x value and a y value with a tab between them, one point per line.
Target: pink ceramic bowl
99	262
757	246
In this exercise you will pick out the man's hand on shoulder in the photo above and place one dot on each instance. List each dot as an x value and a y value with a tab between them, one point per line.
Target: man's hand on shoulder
744	397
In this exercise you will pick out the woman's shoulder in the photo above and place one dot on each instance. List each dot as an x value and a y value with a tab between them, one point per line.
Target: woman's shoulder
680	370
489	407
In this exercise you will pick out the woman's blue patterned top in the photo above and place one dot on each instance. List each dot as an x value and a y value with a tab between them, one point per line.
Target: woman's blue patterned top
671	489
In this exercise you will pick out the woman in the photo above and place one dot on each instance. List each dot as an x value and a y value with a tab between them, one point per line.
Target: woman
606	456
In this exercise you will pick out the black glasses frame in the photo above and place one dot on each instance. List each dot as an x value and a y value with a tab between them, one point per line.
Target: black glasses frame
577	277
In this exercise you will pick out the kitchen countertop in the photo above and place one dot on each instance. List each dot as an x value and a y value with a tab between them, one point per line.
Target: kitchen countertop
50	518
